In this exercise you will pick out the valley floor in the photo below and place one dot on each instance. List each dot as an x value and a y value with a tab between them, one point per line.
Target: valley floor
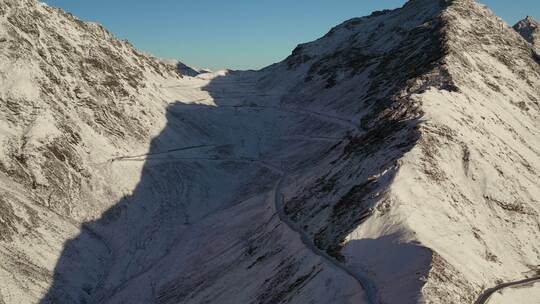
228	179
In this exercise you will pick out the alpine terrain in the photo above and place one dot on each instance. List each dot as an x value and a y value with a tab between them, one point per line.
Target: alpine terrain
394	160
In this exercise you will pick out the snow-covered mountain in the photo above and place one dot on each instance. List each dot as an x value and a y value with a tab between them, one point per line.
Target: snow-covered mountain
394	160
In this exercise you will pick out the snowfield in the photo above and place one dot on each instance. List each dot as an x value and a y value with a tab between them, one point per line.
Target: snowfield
394	160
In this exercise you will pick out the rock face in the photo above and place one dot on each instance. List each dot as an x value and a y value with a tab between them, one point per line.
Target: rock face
394	160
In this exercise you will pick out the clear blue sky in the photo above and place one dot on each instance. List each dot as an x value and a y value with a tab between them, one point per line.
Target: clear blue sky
238	34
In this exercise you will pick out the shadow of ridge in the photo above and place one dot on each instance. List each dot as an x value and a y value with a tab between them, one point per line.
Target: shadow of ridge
399	269
92	260
132	236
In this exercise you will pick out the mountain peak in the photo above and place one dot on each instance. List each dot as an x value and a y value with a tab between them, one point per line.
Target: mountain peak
531	19
529	28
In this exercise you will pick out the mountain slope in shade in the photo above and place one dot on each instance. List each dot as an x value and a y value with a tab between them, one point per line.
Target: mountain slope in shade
394	160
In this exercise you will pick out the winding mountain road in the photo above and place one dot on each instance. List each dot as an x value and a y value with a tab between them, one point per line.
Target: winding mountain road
367	286
365	283
486	295
322	116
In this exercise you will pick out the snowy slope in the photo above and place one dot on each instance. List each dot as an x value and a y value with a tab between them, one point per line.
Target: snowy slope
394	160
71	97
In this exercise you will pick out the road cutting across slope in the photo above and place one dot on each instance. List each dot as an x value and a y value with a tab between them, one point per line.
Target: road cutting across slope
365	283
486	295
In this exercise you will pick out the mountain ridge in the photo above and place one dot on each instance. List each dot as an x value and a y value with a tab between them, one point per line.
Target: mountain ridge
463	30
